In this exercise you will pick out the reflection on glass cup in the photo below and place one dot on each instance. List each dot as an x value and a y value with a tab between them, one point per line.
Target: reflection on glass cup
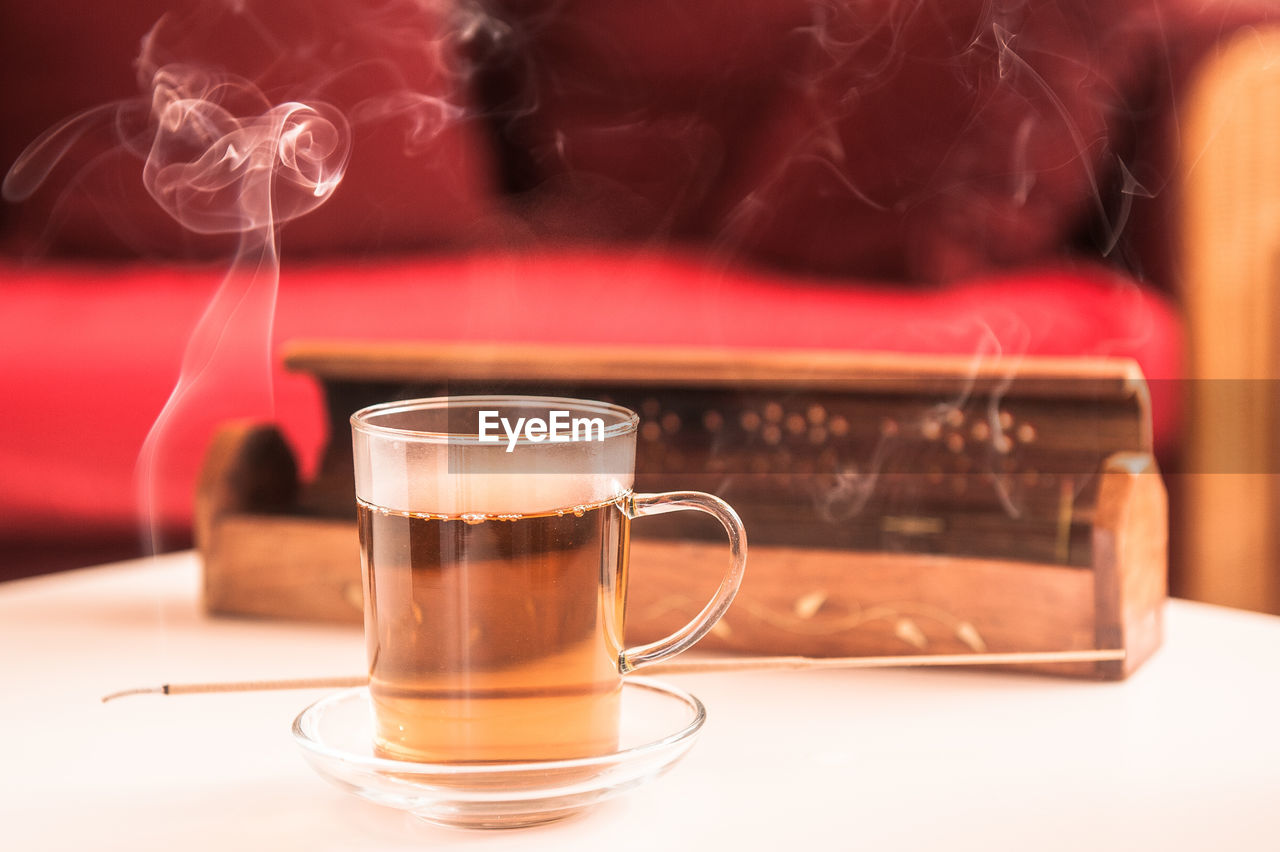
494	540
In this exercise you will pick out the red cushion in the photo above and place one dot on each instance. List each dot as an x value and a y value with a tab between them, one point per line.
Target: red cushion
90	354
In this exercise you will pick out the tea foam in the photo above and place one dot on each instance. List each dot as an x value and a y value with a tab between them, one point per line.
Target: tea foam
453	481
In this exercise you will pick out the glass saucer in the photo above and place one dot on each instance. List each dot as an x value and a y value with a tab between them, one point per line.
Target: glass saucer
659	724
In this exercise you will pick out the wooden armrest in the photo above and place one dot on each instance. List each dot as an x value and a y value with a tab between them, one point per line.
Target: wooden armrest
1230	239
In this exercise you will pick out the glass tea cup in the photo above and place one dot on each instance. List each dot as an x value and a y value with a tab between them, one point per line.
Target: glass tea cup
494	545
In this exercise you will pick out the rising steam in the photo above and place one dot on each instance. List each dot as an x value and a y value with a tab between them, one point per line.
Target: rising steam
219	159
216	172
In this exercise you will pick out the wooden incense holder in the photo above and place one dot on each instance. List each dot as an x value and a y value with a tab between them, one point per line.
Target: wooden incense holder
895	504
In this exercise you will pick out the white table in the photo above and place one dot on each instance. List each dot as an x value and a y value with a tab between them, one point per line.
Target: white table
1185	755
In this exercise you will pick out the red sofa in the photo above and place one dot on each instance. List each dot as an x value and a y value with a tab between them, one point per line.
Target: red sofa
972	177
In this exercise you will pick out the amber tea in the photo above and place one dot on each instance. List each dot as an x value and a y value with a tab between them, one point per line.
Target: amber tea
495	638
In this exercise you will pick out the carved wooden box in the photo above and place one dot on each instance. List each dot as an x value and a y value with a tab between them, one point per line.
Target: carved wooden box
893	504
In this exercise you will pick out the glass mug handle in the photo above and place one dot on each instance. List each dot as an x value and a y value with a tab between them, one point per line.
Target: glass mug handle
639	505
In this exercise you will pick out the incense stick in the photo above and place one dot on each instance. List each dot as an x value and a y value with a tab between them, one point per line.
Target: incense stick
903	661
241	686
734	664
